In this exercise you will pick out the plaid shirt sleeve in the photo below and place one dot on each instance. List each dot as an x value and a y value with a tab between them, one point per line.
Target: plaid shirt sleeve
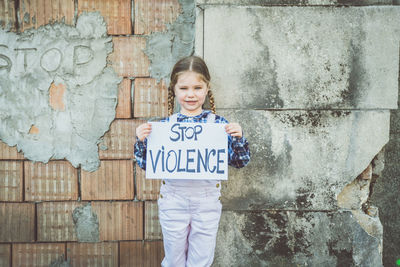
239	152
238	148
140	150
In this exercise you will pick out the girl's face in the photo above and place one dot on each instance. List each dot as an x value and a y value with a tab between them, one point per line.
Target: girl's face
191	92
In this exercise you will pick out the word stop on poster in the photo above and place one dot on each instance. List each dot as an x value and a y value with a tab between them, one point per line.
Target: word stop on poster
187	151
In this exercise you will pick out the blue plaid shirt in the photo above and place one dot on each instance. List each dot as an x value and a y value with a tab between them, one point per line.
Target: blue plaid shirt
238	148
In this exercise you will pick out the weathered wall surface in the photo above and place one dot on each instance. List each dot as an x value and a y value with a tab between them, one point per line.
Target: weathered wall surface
57	97
385	194
311	81
76	78
313	88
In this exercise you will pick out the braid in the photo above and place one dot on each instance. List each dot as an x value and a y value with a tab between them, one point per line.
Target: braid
171	101
212	104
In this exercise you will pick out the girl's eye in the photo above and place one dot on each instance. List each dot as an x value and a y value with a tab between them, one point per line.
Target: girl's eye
198	88
183	88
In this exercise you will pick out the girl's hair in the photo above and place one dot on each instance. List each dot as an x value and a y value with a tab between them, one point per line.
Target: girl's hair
191	63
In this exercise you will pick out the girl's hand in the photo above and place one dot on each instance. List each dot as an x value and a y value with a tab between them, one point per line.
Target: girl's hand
143	130
234	129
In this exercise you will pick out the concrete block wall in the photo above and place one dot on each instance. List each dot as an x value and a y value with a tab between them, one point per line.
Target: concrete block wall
313	84
300	76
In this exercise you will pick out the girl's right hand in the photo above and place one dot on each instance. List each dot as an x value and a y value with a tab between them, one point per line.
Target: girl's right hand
143	130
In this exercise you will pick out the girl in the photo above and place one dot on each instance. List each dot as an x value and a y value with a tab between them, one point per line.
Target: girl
189	210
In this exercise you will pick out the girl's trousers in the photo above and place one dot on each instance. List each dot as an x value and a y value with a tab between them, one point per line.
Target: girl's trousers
189	219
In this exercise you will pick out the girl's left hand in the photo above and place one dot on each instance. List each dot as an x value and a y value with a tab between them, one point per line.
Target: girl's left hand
234	129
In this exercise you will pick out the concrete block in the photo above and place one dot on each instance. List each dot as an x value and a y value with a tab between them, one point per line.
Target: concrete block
146	189
302	159
93	254
54	221
295	238
11	173
124	106
39	254
117	14
56	180
17	222
151	98
112	181
7	15
5	254
154	16
8	152
128	58
119	220
33	14
138	253
303	58
152	227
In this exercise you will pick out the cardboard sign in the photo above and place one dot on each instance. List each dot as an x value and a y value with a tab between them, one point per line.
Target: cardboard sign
187	151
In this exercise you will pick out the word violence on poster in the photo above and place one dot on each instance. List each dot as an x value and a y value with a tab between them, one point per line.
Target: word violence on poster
187	151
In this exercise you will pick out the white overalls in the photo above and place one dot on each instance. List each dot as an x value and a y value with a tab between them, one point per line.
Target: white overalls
189	212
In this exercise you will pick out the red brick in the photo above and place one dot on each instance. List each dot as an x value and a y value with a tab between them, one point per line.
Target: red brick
7	14
113	180
11	180
5	255
8	152
93	254
151	98
147	189
119	220
128	58
124	107
17	221
138	254
56	180
152	227
118	142
54	221
117	14
35	13
153	15
39	254
56	96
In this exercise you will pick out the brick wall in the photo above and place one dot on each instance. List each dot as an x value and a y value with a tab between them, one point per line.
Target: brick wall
37	200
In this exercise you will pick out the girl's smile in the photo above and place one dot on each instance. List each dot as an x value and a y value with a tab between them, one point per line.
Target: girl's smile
191	92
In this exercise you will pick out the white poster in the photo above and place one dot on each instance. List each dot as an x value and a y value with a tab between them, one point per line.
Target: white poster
187	151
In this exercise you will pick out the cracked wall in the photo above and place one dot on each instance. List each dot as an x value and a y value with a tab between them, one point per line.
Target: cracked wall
57	96
313	88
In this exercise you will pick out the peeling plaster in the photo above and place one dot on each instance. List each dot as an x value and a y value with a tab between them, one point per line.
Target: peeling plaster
86	224
164	49
54	80
60	262
355	197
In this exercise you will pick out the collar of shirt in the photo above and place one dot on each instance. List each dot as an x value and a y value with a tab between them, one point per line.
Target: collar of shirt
202	116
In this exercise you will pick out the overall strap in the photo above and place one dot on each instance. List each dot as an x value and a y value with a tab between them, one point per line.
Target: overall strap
210	117
173	117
